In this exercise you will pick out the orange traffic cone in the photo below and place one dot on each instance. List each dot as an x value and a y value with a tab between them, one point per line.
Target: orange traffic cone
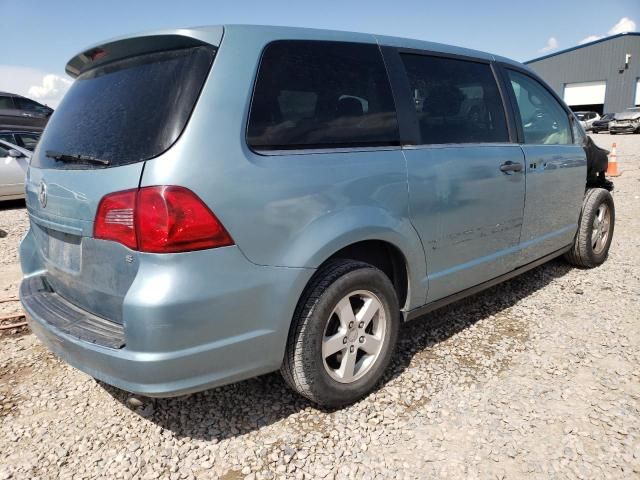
612	169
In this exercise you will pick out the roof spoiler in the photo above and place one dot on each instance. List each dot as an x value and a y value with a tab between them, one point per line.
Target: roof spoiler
125	47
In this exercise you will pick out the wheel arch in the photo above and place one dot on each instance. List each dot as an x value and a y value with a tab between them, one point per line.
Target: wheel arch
386	257
367	234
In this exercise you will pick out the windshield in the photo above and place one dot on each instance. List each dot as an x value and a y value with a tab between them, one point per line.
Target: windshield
581	115
126	111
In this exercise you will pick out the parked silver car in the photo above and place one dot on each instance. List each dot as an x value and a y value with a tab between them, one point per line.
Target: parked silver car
14	161
587	119
626	122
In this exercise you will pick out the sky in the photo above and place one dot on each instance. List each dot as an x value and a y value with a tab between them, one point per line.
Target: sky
39	37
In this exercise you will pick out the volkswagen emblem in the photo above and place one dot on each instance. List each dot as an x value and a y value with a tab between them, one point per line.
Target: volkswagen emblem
42	194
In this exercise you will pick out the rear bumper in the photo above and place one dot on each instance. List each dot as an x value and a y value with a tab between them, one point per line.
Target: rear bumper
43	303
158	374
230	324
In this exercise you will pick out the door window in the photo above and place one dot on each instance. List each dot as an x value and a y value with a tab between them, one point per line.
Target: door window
314	94
544	121
456	101
29	140
6	102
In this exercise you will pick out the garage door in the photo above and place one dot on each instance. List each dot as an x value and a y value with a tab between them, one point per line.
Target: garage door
585	93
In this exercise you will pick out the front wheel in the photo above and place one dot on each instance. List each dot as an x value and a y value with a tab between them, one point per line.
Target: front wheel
595	230
343	334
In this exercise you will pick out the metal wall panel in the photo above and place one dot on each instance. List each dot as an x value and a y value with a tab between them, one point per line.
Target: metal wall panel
602	61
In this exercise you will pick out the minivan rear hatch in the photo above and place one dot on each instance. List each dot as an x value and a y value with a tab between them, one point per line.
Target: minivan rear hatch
130	102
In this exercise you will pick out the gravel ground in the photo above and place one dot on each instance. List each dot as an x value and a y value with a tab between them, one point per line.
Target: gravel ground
13	223
535	378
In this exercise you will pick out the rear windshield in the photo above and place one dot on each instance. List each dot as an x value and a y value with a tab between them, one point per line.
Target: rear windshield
126	111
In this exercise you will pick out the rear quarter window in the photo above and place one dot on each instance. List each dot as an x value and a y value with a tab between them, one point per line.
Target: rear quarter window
316	94
129	110
26	104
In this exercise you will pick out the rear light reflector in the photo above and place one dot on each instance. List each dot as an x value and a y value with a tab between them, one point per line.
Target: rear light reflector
159	219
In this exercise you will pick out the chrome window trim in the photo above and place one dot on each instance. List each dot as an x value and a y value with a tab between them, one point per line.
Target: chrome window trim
313	151
458	145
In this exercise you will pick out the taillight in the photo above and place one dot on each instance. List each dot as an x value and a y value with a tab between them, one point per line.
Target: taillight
174	219
114	220
160	219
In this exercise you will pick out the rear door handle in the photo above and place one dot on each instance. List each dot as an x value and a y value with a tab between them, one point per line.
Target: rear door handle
510	166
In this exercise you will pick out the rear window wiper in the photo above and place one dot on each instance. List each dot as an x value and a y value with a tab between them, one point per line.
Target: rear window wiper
70	157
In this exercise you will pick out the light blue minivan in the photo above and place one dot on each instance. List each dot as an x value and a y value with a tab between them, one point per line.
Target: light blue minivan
212	204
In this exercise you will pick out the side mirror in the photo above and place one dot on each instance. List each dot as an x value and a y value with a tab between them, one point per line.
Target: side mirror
13	153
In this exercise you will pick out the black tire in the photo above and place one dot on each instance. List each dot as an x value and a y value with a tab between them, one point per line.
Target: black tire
304	367
582	253
612	133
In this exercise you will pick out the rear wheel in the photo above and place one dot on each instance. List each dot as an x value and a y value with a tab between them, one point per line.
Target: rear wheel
343	334
595	230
